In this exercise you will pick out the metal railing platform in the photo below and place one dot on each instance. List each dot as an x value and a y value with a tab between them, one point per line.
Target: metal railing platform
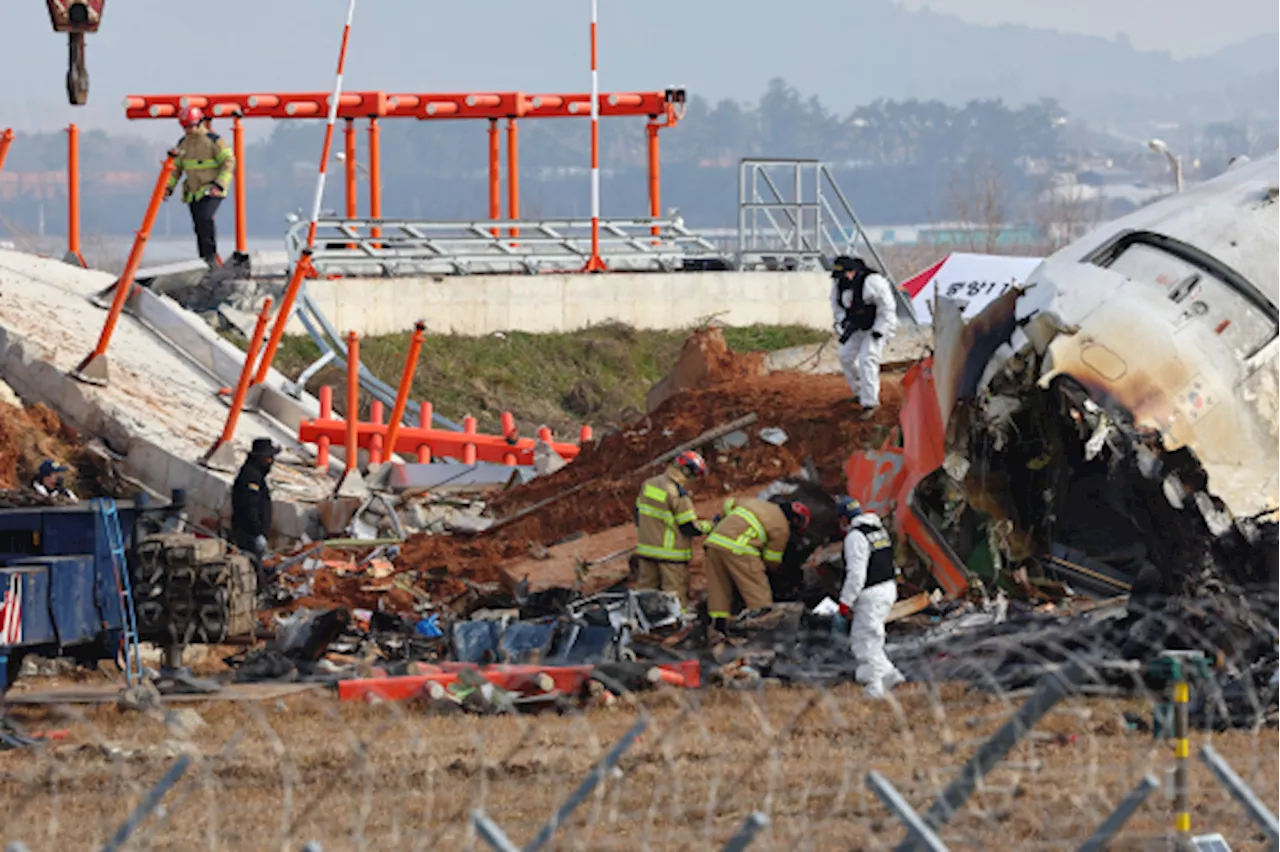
420	247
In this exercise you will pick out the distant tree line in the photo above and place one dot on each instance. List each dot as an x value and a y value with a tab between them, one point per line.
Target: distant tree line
897	162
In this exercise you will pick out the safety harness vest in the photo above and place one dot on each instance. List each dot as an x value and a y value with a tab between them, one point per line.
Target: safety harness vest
652	503
861	314
750	542
880	567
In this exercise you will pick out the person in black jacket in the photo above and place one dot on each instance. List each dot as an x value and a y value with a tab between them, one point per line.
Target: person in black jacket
251	503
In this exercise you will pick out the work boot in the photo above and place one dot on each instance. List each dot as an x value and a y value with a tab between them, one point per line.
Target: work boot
892	679
765	618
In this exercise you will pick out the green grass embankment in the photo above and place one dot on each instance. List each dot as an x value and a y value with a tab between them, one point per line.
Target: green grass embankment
598	375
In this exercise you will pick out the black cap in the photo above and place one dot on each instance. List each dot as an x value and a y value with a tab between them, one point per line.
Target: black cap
843	263
264	447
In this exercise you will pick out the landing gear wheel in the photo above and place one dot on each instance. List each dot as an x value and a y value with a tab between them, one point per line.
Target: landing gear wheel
77	76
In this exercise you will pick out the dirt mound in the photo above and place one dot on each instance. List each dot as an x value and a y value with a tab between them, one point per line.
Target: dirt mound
30	435
705	360
816	413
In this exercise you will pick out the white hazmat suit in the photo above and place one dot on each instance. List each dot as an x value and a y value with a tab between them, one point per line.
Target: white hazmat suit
860	354
870	605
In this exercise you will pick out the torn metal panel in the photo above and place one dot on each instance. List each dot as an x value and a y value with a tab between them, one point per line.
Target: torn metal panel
962	349
884	481
1123	408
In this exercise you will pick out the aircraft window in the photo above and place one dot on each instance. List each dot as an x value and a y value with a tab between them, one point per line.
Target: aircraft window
1207	291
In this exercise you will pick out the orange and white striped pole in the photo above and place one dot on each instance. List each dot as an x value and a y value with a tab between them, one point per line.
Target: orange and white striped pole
304	261
328	130
595	264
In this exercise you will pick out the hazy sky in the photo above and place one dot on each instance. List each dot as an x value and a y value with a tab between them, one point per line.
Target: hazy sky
1182	27
148	46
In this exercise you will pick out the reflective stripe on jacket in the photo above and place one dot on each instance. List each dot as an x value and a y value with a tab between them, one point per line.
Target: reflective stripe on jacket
661	507
206	159
752	527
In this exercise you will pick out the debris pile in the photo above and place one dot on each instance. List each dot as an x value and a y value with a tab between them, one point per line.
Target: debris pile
29	434
796	426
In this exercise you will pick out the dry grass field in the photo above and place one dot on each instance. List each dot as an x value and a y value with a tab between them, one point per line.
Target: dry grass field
276	774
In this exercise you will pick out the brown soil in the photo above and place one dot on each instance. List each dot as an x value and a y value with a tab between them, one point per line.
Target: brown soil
816	412
32	434
704	360
277	774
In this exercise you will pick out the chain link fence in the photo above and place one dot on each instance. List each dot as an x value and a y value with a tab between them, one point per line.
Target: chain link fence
1085	751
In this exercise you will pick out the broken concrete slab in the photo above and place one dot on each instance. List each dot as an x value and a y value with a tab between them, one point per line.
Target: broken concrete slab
161	412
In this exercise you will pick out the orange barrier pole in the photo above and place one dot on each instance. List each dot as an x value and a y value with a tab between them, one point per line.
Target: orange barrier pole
73	194
584	435
406	382
426	414
513	174
375	442
326	413
5	139
353	399
469	449
242	386
495	191
441	442
349	163
375	177
350	157
510	435
125	285
237	142
282	316
655	186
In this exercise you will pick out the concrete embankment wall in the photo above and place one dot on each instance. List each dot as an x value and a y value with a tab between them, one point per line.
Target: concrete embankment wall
483	304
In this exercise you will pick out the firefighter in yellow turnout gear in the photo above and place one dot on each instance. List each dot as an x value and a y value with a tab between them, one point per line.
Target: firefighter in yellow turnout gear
748	542
666	524
206	160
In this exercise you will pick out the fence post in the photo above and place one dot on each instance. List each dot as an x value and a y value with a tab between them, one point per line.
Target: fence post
752	826
93	368
490	832
1052	688
148	804
589	783
1181	752
918	830
1241	792
1120	815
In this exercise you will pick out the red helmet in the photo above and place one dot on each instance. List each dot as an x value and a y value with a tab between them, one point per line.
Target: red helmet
692	464
190	116
800	516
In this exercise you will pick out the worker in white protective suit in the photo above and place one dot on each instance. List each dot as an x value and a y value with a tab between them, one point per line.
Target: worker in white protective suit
865	319
869	592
